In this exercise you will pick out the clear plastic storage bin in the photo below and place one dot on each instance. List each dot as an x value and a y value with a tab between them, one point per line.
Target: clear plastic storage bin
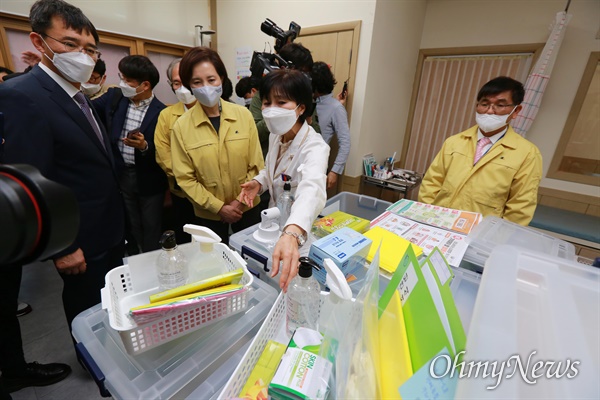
194	366
131	285
258	256
494	231
535	305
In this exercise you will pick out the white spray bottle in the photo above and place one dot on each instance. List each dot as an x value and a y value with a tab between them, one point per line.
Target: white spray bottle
335	310
207	262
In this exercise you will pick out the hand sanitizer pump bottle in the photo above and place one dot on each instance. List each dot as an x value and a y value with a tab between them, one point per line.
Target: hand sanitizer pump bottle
285	201
171	265
335	310
207	262
302	300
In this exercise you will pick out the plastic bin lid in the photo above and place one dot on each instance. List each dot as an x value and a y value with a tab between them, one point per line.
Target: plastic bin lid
538	308
494	231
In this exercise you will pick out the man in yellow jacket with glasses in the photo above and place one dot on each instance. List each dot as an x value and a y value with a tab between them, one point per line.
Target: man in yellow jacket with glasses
488	168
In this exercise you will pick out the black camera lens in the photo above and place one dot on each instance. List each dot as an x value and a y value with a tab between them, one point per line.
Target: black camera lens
271	29
38	217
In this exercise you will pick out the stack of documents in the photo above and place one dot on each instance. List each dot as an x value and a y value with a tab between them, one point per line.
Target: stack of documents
430	226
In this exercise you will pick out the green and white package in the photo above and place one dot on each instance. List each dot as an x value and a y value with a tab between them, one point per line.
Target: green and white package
302	373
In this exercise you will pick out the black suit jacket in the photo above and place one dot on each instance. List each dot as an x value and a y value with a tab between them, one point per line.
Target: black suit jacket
44	127
151	179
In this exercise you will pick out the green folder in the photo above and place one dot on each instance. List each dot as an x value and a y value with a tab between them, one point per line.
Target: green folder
424	328
442	274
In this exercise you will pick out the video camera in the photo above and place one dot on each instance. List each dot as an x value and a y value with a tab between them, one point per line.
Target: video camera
39	217
282	38
263	63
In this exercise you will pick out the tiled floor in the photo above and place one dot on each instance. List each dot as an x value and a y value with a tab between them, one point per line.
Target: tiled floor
46	337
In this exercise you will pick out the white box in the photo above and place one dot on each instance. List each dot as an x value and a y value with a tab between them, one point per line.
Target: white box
342	247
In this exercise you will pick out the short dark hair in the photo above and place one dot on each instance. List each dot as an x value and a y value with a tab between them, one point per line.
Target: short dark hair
227	86
100	67
244	86
503	84
323	80
139	68
290	84
6	70
42	12
199	55
298	55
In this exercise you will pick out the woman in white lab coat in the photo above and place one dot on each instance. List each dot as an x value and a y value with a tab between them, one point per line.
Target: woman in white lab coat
296	150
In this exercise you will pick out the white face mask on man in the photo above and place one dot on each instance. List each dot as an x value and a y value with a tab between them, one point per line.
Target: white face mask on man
127	90
75	66
184	95
280	120
90	89
492	122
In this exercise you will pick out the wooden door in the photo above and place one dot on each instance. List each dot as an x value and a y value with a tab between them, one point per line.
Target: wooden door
336	45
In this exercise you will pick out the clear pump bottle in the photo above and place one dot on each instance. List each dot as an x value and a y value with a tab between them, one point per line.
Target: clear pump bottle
207	261
302	298
284	203
172	266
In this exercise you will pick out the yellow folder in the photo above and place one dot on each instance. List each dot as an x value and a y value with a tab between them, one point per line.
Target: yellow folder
394	353
393	248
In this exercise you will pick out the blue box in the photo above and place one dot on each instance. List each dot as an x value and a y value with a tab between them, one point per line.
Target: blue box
344	247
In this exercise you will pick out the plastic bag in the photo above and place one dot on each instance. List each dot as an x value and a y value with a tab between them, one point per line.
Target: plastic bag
357	362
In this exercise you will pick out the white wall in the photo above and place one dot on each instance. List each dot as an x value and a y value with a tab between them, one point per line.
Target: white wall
458	23
169	21
391	71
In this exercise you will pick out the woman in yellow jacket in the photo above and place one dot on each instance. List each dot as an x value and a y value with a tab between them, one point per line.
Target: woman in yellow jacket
214	147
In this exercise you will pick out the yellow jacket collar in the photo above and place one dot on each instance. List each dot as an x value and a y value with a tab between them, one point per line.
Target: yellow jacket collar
199	116
510	139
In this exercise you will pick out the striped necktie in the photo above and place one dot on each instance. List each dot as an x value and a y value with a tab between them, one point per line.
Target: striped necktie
83	104
481	143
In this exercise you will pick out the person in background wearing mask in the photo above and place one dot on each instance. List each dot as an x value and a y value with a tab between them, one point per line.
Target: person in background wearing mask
183	211
49	124
214	148
95	88
296	150
130	113
301	60
333	120
245	90
489	168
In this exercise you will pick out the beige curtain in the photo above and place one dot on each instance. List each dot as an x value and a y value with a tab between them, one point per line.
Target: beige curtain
446	99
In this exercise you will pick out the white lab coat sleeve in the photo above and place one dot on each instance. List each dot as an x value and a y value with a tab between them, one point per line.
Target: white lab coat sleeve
311	195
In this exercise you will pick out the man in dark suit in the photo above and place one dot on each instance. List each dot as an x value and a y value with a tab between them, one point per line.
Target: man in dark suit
130	113
49	124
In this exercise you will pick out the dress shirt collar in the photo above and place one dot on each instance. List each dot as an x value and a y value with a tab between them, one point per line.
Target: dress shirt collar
493	138
62	82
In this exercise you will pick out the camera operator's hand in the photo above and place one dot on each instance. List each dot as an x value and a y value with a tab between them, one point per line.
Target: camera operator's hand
71	264
342	96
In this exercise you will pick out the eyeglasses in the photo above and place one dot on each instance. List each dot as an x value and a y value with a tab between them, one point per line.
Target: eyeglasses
72	47
497	108
175	84
95	79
